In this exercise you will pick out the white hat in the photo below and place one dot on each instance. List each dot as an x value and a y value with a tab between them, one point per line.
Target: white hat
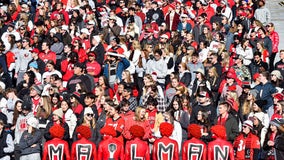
53	30
259	116
32	121
65	27
58	112
97	38
88	110
91	22
248	123
164	36
115	54
85	30
183	15
2	85
199	70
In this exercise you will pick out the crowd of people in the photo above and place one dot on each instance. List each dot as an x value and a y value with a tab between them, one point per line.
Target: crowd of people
140	79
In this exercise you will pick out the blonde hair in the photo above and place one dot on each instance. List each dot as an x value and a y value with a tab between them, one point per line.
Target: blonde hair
137	113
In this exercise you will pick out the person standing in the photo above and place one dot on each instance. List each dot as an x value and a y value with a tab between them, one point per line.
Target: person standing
83	147
7	144
56	148
247	144
274	36
194	148
220	147
165	148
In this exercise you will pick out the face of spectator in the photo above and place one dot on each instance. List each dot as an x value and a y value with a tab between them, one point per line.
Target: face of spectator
64	106
112	111
88	101
157	56
246	129
175	105
77	70
44	46
142	113
25	43
222	109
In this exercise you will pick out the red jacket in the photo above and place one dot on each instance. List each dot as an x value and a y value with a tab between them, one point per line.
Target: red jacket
275	41
165	149
83	149
61	13
118	125
110	148
81	54
56	149
94	67
137	149
194	149
174	23
220	149
243	145
67	69
145	124
48	56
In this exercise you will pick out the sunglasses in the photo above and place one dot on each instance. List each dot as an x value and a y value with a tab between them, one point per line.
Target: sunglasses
90	115
245	126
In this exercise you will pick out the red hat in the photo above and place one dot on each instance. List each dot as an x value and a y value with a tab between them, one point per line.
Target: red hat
194	130
279	96
137	131
231	74
56	131
166	129
91	53
188	3
108	130
35	50
219	131
172	5
203	94
255	76
243	14
84	131
232	88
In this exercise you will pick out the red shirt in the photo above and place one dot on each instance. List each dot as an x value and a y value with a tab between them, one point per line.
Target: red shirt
48	56
220	149
83	149
67	69
244	146
110	148
117	124
56	149
194	149
137	149
165	149
94	67
130	122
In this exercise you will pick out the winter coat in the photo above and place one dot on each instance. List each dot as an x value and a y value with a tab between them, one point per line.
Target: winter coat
28	139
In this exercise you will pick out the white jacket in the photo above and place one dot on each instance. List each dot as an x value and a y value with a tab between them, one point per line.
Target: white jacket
71	120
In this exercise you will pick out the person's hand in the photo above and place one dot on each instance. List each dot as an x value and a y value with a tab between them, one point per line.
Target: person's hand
16	75
34	145
30	129
270	143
